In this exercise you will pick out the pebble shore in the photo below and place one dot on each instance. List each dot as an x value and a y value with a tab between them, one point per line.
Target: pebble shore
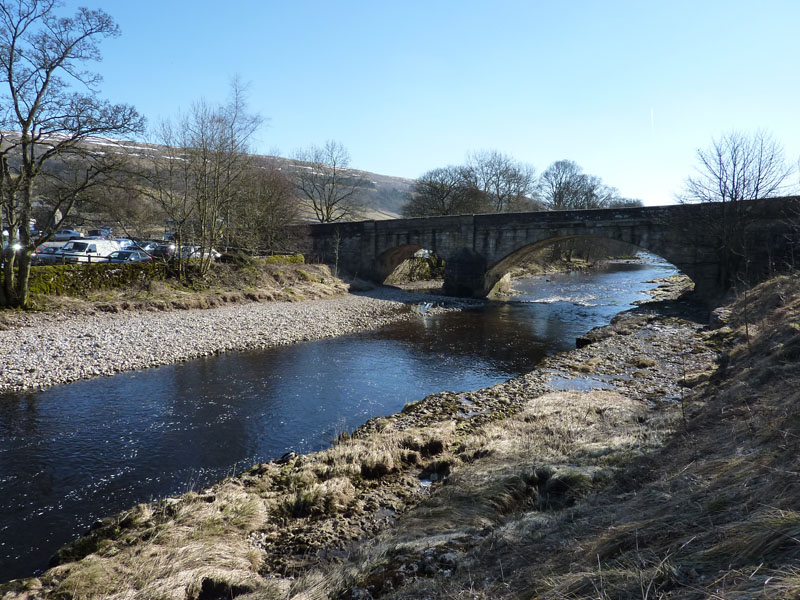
45	349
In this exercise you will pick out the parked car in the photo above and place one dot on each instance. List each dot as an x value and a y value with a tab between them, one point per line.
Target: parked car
146	246
86	251
63	235
101	232
163	251
129	256
46	255
124	243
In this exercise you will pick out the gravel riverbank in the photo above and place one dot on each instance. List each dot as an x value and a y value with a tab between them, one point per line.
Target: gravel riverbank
47	349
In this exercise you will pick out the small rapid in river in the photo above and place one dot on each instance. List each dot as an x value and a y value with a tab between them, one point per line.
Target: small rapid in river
74	453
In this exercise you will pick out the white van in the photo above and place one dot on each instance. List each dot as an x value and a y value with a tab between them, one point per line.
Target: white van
86	251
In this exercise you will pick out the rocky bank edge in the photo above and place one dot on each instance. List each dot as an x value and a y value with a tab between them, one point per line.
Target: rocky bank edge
44	349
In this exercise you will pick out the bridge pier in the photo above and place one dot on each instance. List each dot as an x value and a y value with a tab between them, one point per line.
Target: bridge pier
464	274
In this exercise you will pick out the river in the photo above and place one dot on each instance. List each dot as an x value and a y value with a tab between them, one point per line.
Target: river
74	453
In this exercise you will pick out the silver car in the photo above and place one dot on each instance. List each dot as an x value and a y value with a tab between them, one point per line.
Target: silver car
64	235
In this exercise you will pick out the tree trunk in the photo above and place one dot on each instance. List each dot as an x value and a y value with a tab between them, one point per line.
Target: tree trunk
7	296
22	293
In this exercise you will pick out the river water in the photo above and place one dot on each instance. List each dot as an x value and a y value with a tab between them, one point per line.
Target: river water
74	453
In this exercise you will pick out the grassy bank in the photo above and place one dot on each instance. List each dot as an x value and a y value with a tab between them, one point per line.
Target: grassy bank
155	286
678	481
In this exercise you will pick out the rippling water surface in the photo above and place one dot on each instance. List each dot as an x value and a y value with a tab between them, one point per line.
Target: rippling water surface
75	453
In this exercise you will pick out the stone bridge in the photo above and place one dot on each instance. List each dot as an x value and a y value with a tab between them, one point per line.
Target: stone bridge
479	249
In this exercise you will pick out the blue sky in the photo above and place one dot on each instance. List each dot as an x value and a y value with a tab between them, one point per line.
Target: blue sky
629	90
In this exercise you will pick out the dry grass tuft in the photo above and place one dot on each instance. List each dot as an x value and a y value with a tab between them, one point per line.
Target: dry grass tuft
330	497
173	549
770	532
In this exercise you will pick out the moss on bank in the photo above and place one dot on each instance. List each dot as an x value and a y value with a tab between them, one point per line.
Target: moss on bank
154	286
83	279
79	279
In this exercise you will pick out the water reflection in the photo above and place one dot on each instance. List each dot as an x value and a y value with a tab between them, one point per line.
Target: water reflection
73	453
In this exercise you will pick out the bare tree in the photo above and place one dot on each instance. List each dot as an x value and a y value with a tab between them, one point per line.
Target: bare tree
736	167
50	113
508	185
560	185
201	169
264	212
445	191
166	180
564	186
218	140
326	183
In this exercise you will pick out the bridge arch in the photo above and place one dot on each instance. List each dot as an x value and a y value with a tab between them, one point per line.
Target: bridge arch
497	276
392	258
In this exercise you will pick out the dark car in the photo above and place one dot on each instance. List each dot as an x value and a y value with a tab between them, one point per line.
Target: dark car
103	232
163	251
129	256
46	255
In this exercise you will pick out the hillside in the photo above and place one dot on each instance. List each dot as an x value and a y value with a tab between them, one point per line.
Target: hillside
383	195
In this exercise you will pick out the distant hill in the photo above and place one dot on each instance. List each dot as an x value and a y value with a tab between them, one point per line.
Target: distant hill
384	195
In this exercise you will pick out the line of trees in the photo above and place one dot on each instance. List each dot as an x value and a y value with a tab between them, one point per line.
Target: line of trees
564	186
200	194
202	170
492	182
489	182
200	180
